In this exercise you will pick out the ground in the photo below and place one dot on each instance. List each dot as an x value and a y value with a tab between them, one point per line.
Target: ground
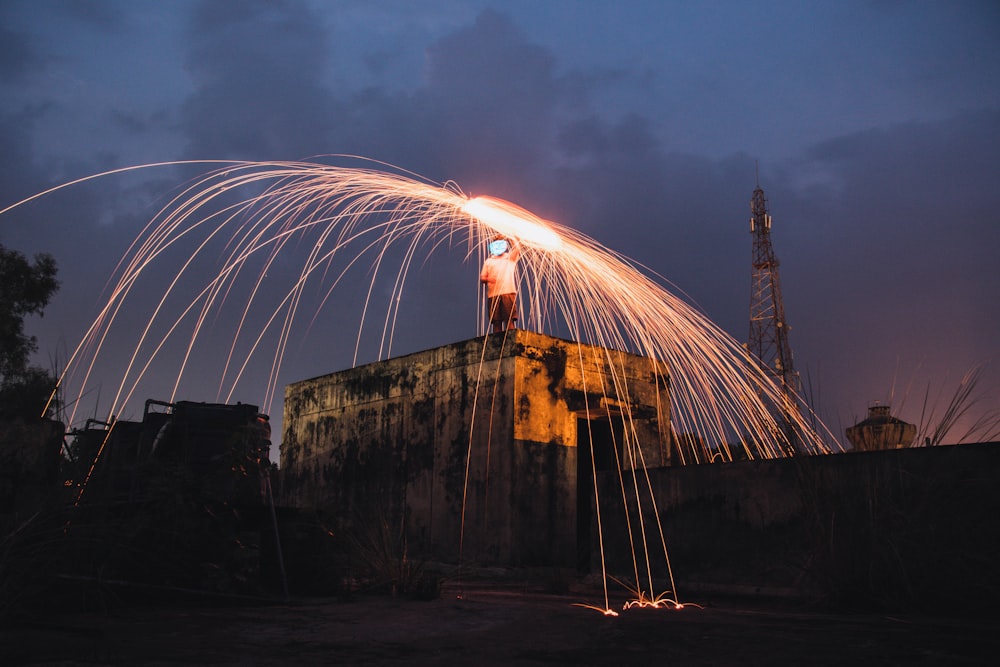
488	627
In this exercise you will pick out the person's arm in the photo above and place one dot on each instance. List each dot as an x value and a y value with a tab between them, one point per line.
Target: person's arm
515	250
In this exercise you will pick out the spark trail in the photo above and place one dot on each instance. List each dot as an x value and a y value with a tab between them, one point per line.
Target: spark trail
244	219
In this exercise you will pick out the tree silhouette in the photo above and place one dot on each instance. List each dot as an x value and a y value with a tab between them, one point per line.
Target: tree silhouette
25	289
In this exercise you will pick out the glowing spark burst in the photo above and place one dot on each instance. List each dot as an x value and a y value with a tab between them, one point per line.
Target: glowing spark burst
659	602
604	611
513	221
251	216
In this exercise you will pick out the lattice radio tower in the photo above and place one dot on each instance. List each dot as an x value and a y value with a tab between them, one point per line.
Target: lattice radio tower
768	340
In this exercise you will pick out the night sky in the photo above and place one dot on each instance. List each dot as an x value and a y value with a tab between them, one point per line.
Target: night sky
875	125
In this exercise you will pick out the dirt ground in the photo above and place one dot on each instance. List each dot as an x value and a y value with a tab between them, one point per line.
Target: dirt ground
494	627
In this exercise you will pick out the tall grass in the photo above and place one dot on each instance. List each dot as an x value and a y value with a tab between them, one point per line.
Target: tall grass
969	413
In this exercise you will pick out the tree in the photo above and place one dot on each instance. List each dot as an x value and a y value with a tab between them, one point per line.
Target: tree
25	289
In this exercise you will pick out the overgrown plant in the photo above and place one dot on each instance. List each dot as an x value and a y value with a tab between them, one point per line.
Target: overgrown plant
381	551
970	414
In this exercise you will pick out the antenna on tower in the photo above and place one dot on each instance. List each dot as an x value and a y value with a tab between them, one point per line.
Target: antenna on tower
768	339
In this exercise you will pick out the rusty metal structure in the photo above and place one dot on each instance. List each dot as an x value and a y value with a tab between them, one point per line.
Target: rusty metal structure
178	501
768	338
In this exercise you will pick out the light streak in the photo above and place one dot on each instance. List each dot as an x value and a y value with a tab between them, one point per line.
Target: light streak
661	601
511	220
245	212
606	611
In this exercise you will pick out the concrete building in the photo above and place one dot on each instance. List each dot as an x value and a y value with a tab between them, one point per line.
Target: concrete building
479	450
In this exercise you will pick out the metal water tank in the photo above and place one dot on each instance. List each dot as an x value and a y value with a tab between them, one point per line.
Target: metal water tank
881	431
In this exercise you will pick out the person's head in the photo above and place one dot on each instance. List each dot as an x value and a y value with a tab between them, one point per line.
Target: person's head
498	246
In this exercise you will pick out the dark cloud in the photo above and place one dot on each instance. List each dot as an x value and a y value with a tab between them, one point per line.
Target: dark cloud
922	192
20	175
22	56
139	123
489	64
107	15
18	57
483	115
258	69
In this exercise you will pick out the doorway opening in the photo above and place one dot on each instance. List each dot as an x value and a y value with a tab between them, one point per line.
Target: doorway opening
596	443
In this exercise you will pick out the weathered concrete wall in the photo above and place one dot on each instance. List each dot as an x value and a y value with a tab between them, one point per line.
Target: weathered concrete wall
896	528
367	444
472	446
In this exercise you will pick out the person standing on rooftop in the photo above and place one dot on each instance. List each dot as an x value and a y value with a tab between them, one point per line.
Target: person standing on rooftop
499	274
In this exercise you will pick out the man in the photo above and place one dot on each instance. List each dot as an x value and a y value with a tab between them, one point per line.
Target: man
500	277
